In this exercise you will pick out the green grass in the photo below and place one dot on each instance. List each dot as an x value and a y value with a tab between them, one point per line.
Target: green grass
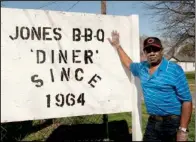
44	133
190	77
191	80
127	117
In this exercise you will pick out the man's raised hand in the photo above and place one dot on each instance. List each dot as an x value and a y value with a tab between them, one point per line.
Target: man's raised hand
115	41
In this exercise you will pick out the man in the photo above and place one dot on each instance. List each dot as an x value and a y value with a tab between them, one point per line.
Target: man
166	91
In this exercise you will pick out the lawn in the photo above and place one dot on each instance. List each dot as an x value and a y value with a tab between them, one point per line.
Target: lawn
127	117
191	80
44	133
190	77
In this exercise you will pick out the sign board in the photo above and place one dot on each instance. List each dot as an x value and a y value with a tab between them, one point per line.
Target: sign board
57	64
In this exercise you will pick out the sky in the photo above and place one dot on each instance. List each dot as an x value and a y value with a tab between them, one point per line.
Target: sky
147	26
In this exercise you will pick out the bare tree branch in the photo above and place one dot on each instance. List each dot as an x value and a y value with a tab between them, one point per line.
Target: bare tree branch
176	20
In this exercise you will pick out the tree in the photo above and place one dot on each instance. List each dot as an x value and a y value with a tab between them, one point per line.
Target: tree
176	21
165	44
142	56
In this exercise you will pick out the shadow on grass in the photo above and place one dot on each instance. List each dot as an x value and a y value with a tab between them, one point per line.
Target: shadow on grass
118	131
16	131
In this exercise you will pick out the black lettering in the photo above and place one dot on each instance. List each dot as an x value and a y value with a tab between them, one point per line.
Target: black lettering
62	56
60	100
46	33
76	36
58	35
38	56
88	36
16	36
52	56
66	74
93	80
87	56
100	35
76	74
52	75
36	33
48	100
39	82
22	31
71	99
81	99
74	56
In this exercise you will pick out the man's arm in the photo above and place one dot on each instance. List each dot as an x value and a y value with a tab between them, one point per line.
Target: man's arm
184	95
185	119
124	57
186	114
115	42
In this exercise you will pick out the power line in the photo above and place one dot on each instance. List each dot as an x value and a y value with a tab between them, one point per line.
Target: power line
48	4
73	6
58	1
58	6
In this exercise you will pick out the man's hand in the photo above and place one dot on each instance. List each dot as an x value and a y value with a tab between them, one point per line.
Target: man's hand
182	136
115	42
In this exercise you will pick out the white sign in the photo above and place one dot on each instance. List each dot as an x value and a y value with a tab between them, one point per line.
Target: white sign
57	64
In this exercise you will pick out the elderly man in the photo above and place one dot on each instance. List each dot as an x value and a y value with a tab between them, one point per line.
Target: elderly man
165	89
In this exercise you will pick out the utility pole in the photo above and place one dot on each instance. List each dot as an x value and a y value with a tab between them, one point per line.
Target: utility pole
103	7
105	116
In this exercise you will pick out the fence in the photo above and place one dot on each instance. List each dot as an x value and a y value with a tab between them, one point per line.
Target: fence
93	128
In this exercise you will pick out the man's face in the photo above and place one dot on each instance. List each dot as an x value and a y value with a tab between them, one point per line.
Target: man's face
154	54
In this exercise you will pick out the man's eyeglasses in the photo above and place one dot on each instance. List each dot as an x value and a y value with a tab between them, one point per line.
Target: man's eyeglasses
152	49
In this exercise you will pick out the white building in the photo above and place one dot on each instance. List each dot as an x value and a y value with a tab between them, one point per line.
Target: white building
187	63
184	56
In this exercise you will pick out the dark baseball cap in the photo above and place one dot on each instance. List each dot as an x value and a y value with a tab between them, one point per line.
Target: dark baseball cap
152	41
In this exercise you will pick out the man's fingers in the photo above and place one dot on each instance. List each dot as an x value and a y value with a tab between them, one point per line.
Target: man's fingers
112	34
109	40
115	33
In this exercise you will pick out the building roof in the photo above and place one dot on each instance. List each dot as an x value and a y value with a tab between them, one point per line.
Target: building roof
183	58
180	56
